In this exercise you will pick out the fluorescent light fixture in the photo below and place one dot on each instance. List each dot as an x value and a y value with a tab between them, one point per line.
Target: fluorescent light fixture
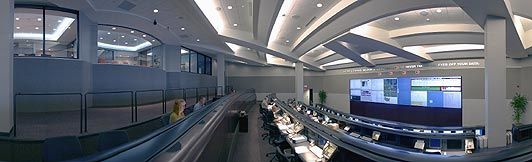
338	62
209	9
149	54
124	48
233	47
155	11
279	21
298	28
61	28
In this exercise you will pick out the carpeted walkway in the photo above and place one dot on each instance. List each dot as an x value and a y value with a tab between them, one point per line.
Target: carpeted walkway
250	146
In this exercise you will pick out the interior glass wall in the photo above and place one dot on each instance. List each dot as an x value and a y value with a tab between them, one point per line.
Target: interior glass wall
194	62
120	45
45	32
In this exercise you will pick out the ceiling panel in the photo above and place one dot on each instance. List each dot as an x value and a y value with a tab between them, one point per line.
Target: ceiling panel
442	15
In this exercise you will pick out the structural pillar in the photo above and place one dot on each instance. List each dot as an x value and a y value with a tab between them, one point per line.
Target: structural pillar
299	82
220	68
171	55
495	103
6	66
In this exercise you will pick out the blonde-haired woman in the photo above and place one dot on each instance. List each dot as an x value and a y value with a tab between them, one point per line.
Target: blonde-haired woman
177	112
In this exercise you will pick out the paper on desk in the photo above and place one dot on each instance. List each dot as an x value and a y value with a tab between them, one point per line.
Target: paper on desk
301	149
283	127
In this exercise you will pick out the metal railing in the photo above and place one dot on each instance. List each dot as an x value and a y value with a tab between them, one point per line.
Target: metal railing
108	106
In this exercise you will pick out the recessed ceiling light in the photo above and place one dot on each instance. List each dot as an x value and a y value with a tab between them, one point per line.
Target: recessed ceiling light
438	10
153	40
182	28
17	19
229	7
108	33
135	39
36	28
101	38
113	28
298	28
49	49
155	11
122	36
59	20
143	35
427	19
197	40
319	5
41	49
114	40
243	6
249	49
125	42
235	25
396	18
287	41
132	32
54	29
18	27
39	19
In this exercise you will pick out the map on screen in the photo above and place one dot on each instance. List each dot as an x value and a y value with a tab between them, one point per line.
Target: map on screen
444	92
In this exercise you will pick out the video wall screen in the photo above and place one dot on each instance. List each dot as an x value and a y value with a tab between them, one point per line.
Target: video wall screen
438	92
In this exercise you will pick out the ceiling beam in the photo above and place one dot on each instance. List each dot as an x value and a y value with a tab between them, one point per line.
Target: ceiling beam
389	47
478	10
257	46
248	58
256	9
324	55
348	51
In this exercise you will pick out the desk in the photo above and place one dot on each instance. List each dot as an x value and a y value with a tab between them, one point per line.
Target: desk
303	151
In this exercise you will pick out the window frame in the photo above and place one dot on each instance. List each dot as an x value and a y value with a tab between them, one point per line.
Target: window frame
197	59
53	8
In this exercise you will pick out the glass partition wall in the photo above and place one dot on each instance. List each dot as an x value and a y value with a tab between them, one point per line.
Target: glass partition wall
42	31
194	62
121	45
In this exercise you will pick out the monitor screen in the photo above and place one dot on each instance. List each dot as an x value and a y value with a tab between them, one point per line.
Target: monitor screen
439	92
328	150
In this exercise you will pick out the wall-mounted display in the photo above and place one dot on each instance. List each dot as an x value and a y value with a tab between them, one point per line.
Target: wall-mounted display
439	92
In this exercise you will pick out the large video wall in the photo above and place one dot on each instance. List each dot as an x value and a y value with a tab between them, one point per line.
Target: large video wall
443	92
432	101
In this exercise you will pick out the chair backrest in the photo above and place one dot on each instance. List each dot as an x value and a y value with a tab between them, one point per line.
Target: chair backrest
165	119
61	148
110	139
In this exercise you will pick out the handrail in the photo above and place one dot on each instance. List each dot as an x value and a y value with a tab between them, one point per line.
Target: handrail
145	149
46	94
84	104
515	152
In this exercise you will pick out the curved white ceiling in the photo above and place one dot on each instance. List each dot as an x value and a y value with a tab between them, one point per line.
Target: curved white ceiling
299	28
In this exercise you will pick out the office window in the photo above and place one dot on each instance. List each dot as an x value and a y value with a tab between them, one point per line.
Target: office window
121	45
45	32
201	64
208	65
185	60
194	62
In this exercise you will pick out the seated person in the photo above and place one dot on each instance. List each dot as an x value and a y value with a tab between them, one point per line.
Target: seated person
200	104
177	112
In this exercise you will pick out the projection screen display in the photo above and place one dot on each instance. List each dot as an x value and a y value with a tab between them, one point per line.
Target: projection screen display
442	92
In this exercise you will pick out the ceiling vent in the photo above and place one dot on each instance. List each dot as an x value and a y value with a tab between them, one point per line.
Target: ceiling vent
126	5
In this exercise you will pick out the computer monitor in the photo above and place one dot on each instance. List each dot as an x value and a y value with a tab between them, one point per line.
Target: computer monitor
328	150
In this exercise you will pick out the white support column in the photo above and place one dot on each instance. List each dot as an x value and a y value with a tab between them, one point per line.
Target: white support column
220	68
171	58
88	49
6	65
299	82
496	123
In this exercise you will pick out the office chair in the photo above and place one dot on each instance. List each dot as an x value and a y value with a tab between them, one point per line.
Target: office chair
61	149
282	155
110	139
165	119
